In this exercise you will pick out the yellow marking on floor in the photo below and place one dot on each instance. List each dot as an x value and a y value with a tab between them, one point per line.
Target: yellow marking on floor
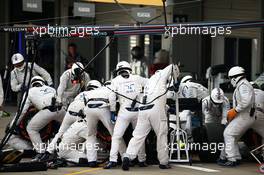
85	171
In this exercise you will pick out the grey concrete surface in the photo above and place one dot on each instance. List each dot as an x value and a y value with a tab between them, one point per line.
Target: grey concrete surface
244	169
179	169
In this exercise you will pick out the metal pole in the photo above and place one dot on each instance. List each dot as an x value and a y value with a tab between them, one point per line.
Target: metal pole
177	127
107	59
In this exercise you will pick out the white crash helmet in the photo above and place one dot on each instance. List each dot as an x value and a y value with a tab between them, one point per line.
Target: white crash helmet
123	65
37	80
185	79
93	84
217	95
17	58
76	66
235	74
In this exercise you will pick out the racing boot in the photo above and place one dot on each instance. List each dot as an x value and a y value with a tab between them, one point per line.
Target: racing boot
164	166
125	164
110	165
229	164
46	157
37	158
142	164
221	161
93	164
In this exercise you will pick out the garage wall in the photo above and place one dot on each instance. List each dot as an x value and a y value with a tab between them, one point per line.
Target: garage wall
236	10
186	49
231	10
111	14
4	50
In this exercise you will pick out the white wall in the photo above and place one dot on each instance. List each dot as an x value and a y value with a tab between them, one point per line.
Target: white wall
232	10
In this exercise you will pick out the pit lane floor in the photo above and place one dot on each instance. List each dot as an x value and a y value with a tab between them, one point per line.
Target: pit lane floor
180	169
177	169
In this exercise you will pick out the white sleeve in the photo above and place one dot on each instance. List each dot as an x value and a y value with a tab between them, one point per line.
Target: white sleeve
112	97
183	90
171	70
86	79
166	72
1	92
146	71
83	132
144	81
28	103
191	92
246	94
15	86
43	73
226	107
62	86
205	108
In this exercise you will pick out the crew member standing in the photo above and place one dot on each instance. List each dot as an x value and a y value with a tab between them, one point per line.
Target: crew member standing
240	118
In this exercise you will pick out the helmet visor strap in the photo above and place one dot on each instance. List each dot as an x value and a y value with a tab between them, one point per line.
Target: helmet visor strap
214	101
91	87
124	73
37	84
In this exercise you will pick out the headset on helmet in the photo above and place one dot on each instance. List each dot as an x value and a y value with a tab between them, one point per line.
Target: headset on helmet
93	84
217	95
37	81
186	78
17	58
235	74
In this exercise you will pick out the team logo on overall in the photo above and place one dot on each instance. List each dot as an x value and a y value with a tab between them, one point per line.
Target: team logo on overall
46	91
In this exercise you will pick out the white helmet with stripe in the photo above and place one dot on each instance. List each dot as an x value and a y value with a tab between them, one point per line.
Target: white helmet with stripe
17	58
187	78
217	95
37	81
93	84
235	74
123	65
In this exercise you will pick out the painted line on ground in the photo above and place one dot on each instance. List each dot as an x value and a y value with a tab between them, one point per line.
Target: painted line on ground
85	171
198	168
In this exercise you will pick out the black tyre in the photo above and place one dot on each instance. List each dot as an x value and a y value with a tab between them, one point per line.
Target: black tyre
208	136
